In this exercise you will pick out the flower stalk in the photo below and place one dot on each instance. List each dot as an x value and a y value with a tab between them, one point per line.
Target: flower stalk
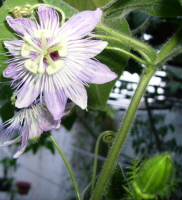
67	165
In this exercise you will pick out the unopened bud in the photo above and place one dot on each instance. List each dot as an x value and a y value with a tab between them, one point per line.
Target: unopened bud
153	177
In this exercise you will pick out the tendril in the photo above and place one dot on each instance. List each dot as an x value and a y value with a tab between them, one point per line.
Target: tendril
108	137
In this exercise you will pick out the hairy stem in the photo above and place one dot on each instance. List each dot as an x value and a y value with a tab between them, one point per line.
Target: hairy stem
128	54
146	51
170	45
122	134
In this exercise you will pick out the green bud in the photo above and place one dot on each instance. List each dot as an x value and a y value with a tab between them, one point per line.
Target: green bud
153	177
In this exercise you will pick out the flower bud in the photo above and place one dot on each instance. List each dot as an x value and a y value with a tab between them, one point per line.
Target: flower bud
153	177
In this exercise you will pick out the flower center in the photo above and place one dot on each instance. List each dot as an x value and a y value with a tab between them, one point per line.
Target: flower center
43	52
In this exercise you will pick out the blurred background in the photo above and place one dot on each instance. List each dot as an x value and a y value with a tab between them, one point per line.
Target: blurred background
157	126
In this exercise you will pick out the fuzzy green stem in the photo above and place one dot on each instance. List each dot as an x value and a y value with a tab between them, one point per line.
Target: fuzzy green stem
170	45
128	54
146	51
172	54
105	133
122	134
67	165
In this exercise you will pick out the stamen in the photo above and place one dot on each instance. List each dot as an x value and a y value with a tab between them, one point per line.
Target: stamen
55	49
41	69
27	38
57	40
51	62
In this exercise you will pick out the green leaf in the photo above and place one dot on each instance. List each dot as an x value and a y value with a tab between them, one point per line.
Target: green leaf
7	111
69	119
180	1
86	5
6	32
161	8
68	10
115	191
116	61
50	146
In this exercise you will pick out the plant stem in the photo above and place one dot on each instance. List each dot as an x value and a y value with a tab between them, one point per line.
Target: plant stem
123	132
128	54
172	54
170	45
146	51
67	165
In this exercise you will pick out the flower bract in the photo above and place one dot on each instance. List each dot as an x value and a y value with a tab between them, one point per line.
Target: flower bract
55	61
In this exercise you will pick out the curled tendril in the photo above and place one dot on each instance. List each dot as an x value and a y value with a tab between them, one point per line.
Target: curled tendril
108	137
26	10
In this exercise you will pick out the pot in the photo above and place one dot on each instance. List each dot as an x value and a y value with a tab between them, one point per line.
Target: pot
23	187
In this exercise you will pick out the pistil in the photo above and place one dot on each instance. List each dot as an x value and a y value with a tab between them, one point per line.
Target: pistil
37	66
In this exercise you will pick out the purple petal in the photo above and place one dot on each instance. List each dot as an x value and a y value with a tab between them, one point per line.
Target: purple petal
77	93
23	142
81	24
10	71
55	103
46	122
34	130
103	74
86	48
22	25
14	46
27	94
48	17
11	141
